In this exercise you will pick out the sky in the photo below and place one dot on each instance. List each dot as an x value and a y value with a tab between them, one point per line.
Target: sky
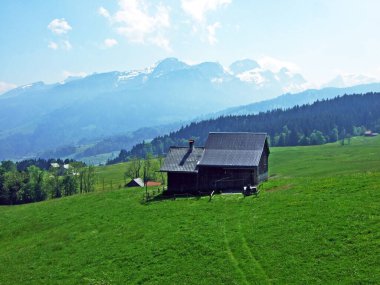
321	39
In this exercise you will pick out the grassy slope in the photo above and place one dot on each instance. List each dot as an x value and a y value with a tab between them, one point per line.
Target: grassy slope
317	221
112	175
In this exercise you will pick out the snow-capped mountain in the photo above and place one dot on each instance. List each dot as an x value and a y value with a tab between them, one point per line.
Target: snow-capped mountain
347	80
39	116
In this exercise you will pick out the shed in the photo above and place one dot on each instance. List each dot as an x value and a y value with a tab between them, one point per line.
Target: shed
153	183
136	182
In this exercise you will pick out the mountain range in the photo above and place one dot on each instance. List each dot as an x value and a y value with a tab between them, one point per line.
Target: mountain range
289	100
40	118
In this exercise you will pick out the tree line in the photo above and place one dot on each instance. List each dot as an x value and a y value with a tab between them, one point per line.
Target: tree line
311	124
34	184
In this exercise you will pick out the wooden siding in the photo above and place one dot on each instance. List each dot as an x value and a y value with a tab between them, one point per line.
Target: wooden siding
217	178
182	182
263	167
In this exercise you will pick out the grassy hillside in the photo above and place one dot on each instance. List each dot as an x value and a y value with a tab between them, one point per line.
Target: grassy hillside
362	155
112	175
317	221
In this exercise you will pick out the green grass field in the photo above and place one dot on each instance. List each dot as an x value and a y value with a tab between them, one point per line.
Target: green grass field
111	175
316	221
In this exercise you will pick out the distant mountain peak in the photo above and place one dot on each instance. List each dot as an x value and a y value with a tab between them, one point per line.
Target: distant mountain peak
243	65
347	80
210	69
167	65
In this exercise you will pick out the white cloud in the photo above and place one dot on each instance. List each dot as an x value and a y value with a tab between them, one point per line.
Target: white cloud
211	29
274	64
59	26
104	12
53	45
161	42
140	22
110	43
60	45
198	8
6	86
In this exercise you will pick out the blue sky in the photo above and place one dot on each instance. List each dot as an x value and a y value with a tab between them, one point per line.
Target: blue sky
50	40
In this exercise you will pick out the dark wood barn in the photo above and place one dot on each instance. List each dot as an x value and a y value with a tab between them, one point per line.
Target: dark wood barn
229	161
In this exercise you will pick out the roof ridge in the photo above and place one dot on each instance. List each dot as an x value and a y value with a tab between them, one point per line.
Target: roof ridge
185	146
254	133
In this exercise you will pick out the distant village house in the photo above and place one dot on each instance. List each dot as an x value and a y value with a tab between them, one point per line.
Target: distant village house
370	134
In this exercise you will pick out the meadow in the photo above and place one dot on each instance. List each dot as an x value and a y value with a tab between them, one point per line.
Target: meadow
315	221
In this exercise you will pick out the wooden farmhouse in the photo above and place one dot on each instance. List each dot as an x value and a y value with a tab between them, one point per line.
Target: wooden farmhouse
229	161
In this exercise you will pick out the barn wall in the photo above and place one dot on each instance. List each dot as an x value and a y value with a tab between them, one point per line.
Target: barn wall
182	182
263	166
217	178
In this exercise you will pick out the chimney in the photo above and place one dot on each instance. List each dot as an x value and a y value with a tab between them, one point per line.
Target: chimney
191	145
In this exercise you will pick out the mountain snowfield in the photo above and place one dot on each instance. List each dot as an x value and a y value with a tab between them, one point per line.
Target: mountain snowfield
39	117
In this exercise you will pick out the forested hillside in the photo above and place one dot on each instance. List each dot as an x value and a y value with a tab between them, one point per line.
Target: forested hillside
35	180
321	122
290	100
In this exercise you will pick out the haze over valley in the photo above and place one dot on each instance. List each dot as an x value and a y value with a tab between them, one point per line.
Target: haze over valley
40	119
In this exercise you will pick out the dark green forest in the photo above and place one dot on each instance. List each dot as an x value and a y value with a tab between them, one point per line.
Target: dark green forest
311	124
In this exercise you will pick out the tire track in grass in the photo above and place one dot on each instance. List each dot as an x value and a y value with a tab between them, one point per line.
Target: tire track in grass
232	257
264	278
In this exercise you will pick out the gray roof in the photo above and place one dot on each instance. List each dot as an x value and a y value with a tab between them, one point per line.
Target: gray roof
222	149
230	158
182	159
233	149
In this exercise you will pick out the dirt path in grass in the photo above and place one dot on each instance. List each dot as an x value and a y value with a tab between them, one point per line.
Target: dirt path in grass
257	265
232	257
241	255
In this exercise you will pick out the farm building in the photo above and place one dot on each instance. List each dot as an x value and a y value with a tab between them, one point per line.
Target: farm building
370	134
229	161
153	183
137	182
